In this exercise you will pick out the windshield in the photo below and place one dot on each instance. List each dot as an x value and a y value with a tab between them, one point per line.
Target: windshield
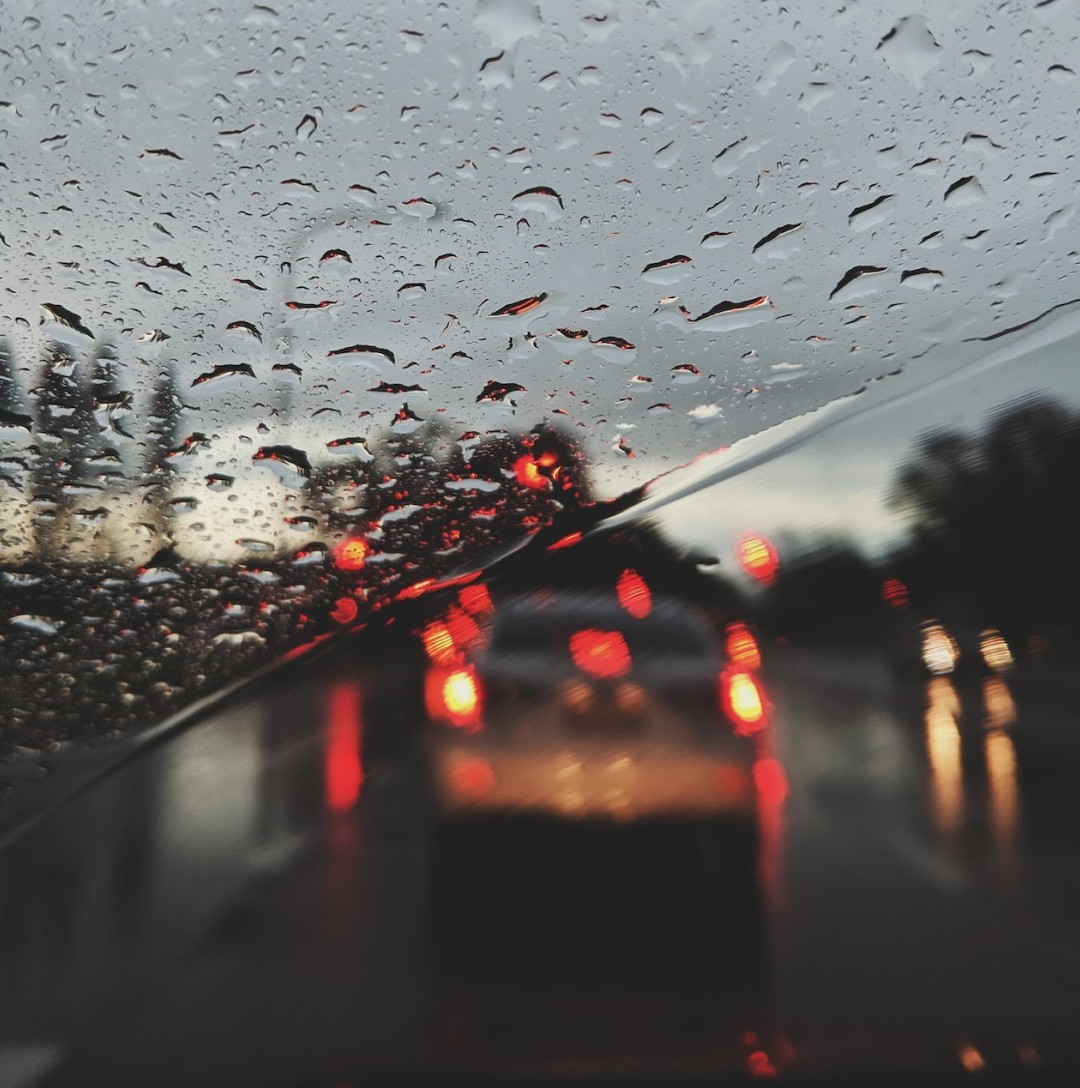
327	336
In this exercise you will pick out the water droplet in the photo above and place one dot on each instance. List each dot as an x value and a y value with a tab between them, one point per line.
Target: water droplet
419	208
67	318
870	215
498	391
965	191
363	349
667	271
727	315
245	327
225	370
287	457
857	275
910	49
522	306
540	198
923	278
781	242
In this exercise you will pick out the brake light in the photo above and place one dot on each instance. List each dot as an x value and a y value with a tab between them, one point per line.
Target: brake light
742	647
743	701
600	653
460	694
439	643
758	558
454	695
634	594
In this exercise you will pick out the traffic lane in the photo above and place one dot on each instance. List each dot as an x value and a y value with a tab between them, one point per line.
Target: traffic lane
318	958
912	914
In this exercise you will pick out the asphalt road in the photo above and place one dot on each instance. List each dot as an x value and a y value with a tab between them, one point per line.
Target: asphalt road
249	902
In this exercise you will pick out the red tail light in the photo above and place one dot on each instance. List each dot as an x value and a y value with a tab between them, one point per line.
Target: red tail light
454	695
634	594
743	701
742	647
600	653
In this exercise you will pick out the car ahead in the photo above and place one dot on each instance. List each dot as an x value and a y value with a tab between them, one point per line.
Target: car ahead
577	711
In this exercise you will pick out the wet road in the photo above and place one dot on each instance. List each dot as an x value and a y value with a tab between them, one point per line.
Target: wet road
249	902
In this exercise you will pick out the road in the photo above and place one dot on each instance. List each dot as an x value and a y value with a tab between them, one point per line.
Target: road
248	903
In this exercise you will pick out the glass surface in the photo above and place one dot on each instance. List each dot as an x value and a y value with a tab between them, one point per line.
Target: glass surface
327	336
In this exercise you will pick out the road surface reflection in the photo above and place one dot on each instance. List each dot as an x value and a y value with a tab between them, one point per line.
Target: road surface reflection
251	900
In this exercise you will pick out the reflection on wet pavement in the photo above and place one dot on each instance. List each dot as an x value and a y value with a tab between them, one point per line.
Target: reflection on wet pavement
254	882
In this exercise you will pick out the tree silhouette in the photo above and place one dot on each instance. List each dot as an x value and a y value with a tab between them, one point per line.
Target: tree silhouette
65	431
16	451
161	436
994	515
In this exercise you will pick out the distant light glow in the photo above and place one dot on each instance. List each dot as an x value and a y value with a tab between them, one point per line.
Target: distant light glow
343	769
971	1059
939	650
995	650
567	541
894	593
475	598
527	473
758	558
439	643
943	752
743	701
460	694
351	554
472	778
600	653
634	594
771	781
345	610
454	695
741	647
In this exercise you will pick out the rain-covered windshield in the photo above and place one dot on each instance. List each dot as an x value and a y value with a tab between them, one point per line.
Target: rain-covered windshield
275	278
309	311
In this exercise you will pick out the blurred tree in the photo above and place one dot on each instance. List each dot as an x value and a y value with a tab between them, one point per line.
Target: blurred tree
65	432
159	440
994	519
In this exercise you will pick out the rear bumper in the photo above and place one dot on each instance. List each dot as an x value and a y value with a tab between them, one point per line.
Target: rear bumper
473	780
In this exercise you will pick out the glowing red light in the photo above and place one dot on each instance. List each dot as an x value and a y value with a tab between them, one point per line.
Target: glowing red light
741	647
344	772
527	473
439	643
473	778
760	1065
894	593
771	781
454	695
758	558
350	554
743	701
345	610
476	598
634	594
600	653
417	589
567	541
463	628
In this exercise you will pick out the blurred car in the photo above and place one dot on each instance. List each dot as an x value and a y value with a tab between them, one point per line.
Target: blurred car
579	712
